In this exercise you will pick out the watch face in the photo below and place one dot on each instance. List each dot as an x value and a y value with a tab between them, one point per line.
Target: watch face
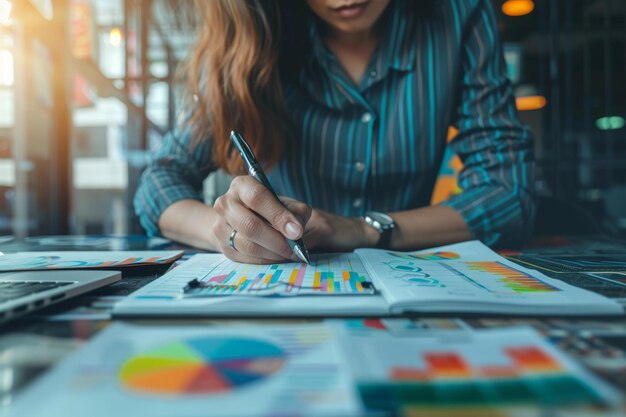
385	221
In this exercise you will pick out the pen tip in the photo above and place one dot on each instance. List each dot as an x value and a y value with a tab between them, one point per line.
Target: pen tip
302	255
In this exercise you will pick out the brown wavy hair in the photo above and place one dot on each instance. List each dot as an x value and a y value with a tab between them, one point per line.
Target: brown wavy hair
233	76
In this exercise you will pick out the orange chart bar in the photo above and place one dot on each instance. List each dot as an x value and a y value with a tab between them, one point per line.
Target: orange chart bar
532	359
447	365
512	278
522	360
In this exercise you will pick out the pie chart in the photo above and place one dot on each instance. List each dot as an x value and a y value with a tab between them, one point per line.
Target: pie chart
209	365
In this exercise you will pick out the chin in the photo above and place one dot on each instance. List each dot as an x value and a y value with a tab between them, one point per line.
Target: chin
349	16
353	27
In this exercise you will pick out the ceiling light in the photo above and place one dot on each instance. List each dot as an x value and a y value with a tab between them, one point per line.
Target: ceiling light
530	103
518	7
610	123
6	68
115	37
5	11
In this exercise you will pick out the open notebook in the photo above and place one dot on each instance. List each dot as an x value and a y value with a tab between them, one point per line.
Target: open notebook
464	277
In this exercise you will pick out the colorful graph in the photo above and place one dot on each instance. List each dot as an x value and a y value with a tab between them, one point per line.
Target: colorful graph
515	375
432	256
69	260
522	361
514	279
202	366
327	275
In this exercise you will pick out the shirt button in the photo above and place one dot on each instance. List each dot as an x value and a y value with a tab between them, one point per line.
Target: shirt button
373	73
366	118
358	202
359	166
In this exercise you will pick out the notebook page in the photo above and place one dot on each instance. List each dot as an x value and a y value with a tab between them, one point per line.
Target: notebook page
470	277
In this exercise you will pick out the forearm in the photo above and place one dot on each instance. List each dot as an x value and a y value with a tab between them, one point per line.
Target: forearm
427	227
415	229
188	222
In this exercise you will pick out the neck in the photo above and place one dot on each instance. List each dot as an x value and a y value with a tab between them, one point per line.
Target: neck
353	50
354	41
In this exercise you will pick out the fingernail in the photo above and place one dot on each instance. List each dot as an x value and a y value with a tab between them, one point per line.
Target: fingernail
293	230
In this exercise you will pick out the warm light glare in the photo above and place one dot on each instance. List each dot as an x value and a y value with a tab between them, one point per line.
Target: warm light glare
530	103
610	123
518	7
44	7
5	11
115	37
6	68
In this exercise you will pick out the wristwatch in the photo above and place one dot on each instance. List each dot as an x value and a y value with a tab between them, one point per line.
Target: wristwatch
383	224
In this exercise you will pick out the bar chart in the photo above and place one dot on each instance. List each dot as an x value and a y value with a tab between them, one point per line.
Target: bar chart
495	368
512	278
327	274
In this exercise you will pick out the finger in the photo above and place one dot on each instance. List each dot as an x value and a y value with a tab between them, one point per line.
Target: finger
260	200
255	230
237	256
254	237
301	210
223	233
246	247
245	258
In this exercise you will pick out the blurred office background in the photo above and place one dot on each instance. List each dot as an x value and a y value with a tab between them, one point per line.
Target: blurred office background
88	89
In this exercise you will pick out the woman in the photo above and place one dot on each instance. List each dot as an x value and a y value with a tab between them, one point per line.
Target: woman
347	103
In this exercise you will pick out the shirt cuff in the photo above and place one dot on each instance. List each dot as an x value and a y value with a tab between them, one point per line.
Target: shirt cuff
491	213
149	206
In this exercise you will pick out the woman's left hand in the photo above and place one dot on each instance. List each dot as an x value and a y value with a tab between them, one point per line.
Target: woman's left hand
330	232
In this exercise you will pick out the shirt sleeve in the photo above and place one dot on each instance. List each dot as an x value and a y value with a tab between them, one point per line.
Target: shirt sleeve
497	201
175	172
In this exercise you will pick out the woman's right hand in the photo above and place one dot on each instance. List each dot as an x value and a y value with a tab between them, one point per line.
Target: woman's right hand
261	222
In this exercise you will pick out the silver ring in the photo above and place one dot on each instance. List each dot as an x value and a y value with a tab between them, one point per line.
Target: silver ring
231	240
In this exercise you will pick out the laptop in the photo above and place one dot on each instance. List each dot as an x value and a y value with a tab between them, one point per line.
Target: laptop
24	292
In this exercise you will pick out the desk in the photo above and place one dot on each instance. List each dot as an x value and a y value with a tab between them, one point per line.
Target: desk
30	346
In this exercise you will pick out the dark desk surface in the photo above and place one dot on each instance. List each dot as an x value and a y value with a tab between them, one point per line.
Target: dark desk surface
30	346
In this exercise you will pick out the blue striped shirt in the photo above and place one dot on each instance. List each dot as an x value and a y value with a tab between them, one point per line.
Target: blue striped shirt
378	145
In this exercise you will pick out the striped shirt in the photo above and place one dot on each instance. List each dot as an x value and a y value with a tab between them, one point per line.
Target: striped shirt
378	145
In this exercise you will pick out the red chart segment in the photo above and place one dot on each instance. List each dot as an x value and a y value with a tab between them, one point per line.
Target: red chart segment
202	366
208	379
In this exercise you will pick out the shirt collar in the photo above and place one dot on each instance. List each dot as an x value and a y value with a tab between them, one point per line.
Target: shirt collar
320	54
325	80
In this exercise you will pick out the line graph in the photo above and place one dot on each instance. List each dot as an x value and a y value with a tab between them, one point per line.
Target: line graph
328	274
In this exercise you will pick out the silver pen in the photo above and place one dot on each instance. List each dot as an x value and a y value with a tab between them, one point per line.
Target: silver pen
254	169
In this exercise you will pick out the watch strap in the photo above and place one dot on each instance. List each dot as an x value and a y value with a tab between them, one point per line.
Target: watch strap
385	239
383	224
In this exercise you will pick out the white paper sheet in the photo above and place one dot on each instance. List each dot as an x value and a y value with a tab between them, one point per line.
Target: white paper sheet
467	370
166	296
132	370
